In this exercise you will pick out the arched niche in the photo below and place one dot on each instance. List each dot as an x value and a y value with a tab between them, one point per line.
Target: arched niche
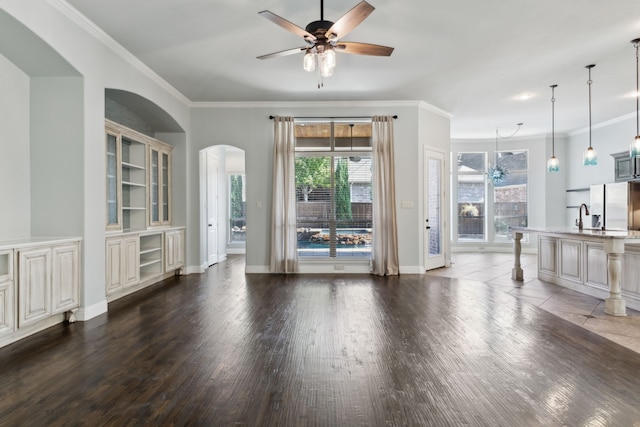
41	152
138	113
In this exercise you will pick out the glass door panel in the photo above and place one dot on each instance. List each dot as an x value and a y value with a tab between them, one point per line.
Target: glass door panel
112	182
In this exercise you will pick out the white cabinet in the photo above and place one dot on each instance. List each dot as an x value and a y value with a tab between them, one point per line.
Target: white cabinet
39	281
7	294
137	260
138	180
174	249
49	281
122	263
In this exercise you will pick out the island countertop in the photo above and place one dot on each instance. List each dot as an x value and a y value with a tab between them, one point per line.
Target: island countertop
586	232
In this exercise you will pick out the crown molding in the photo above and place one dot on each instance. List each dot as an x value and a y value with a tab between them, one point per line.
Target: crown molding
83	22
604	124
323	104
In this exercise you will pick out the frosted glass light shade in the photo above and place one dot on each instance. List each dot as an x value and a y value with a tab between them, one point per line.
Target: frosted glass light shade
327	62
634	150
330	57
590	157
553	164
309	63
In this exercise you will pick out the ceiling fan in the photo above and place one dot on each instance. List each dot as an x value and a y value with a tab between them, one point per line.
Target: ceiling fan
323	39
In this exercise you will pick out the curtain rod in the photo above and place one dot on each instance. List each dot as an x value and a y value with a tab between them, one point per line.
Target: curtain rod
335	117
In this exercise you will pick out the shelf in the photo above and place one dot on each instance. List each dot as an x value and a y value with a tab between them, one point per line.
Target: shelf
150	262
132	208
147	251
132	166
134	184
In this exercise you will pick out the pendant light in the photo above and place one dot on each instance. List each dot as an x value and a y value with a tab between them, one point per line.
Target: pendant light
590	157
497	173
634	150
553	165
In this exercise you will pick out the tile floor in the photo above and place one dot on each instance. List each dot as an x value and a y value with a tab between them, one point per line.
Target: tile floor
584	310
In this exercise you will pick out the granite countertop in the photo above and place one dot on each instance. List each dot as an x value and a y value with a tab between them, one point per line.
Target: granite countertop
586	232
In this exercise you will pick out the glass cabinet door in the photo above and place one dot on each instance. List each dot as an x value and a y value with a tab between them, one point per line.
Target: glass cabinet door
155	195
113	178
159	183
165	188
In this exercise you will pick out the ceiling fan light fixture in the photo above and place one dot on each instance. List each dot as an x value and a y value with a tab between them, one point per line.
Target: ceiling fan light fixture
326	61
323	37
309	62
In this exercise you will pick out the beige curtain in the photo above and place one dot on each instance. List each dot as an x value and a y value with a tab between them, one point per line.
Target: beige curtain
384	256
284	253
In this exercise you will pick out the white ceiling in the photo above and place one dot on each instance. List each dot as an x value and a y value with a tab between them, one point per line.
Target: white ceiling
469	58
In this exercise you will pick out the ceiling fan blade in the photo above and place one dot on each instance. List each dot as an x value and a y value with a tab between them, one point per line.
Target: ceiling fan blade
349	21
356	48
289	26
283	53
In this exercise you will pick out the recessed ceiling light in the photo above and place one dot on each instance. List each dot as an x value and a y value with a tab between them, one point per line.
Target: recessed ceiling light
524	96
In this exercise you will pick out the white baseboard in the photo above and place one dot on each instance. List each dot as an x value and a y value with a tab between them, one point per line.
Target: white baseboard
85	313
411	269
194	269
256	269
236	251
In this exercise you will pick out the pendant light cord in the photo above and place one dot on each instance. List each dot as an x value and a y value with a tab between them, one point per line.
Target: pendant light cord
636	43
553	115
589	67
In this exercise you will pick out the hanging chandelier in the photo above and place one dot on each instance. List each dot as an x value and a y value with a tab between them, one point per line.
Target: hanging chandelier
497	173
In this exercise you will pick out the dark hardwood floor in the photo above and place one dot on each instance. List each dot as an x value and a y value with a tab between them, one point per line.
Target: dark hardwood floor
222	348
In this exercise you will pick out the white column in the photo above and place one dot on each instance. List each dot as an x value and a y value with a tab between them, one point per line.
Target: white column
614	305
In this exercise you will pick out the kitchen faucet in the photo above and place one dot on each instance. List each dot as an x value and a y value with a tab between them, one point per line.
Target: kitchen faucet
586	212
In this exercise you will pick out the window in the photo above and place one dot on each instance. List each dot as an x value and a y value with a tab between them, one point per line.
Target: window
237	208
510	196
333	189
471	196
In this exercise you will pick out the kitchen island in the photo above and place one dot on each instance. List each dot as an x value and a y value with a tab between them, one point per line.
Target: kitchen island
600	263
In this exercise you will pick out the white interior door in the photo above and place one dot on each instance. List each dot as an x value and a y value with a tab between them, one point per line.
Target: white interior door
434	220
212	209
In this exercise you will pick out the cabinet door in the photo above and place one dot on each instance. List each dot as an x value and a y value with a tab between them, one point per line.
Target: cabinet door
130	261
65	278
114	180
159	186
174	250
34	300
114	262
7	294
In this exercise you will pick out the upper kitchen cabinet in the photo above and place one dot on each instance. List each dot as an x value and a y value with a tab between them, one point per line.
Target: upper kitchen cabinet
626	168
138	180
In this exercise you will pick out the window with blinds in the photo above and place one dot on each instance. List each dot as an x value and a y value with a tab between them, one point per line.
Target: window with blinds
333	188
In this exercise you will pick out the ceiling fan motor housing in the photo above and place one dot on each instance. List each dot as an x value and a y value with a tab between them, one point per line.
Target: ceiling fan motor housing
319	28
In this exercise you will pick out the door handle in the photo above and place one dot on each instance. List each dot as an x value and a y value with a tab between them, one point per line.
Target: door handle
428	228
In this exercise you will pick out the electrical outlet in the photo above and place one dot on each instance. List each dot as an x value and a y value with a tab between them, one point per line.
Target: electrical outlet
338	267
